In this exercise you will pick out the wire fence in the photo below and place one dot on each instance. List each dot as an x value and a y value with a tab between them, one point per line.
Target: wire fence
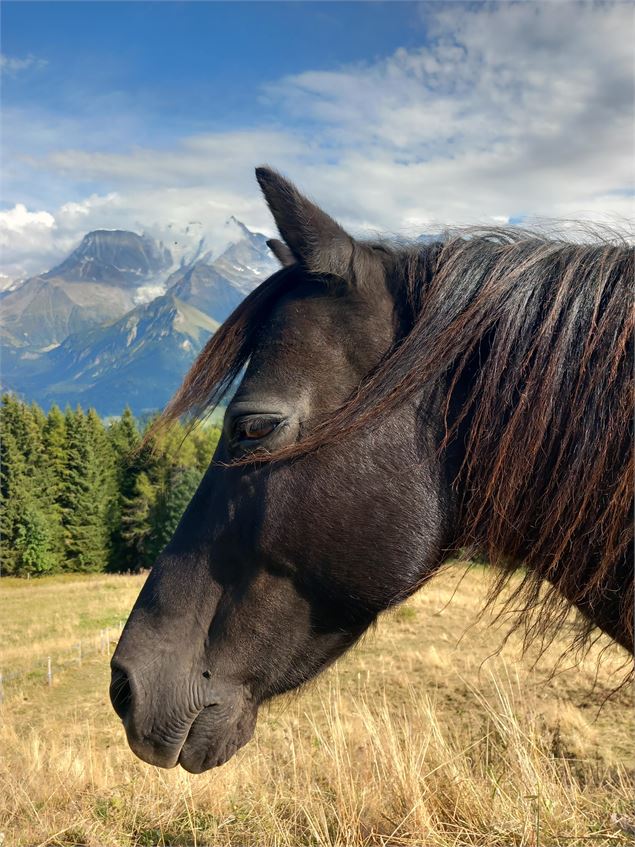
45	669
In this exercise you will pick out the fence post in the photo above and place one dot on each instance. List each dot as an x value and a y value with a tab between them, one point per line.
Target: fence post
1	689
49	671
79	653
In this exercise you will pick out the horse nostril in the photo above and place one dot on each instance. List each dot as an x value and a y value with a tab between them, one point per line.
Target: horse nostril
120	692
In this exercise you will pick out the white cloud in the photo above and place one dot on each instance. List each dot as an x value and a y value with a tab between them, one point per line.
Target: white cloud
33	241
24	234
513	108
19	219
508	110
13	65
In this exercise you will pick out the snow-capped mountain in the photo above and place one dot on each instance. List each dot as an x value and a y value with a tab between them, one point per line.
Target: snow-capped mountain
246	257
101	280
139	352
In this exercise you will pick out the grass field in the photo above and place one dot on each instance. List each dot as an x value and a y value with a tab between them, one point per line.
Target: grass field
426	734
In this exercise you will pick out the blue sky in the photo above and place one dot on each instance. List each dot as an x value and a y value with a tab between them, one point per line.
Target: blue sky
397	116
187	67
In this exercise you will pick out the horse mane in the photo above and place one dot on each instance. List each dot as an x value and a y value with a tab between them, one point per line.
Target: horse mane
547	419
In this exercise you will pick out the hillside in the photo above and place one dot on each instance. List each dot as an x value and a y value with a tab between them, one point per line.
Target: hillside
135	361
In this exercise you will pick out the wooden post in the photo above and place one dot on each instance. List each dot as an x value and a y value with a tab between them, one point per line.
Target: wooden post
49	671
1	689
79	653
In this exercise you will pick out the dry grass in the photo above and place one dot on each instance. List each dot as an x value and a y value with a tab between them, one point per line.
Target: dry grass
416	738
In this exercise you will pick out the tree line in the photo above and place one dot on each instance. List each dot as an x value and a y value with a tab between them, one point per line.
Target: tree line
81	494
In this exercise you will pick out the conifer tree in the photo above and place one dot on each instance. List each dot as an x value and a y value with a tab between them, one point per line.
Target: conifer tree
54	440
12	480
83	518
105	471
26	541
33	540
204	440
77	496
124	437
176	494
138	549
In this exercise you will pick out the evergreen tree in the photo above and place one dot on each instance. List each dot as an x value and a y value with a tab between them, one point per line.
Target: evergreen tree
83	516
105	470
171	504
76	496
12	482
138	549
54	439
129	463
26	540
204	440
33	540
124	437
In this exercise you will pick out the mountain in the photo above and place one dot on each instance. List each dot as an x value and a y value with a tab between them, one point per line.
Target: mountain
100	281
245	258
140	357
114	257
216	286
204	287
137	360
41	312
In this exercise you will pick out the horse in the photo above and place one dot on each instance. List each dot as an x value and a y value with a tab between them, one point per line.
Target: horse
390	405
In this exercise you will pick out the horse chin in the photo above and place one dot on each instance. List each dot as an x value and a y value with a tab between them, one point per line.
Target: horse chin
212	742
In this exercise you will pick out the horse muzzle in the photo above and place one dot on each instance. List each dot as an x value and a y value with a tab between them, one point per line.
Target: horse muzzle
198	723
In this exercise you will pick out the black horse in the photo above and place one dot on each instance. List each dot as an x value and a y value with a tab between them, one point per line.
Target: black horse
398	404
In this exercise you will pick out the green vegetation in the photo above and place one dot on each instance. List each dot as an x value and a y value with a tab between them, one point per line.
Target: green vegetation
80	495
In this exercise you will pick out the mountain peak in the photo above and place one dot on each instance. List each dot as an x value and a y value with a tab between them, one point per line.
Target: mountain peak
247	233
114	256
109	343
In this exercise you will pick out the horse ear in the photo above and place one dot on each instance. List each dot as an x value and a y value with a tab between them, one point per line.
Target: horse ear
281	252
313	238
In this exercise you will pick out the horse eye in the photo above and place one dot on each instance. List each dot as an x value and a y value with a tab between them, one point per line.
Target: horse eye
253	429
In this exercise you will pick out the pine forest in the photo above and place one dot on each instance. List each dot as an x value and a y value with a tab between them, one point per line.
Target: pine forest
82	494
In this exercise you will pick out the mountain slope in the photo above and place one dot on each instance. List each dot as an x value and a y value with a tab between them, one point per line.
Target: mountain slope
96	283
204	288
217	286
139	355
115	257
137	360
44	311
246	259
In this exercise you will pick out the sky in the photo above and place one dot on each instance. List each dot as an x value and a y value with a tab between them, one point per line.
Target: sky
397	117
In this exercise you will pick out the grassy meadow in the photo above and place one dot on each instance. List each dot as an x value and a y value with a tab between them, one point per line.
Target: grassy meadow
429	733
